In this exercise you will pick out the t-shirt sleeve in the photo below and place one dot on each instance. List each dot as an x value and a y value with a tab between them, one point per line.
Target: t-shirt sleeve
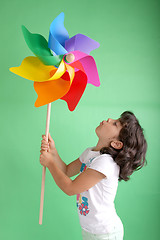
104	164
82	156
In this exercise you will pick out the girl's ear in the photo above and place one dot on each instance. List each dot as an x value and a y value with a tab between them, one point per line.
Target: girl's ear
117	144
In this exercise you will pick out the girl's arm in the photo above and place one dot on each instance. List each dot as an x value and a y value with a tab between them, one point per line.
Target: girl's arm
83	182
61	172
71	169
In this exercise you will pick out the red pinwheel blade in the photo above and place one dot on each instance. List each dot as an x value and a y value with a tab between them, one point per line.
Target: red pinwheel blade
76	90
77	65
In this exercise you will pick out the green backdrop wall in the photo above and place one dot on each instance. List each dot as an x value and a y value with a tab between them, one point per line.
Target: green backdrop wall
128	63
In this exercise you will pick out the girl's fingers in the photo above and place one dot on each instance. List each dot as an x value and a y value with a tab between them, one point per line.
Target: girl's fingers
49	138
44	148
43	140
44	144
44	137
41	151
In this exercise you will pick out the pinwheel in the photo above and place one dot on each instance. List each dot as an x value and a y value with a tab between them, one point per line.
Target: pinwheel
60	69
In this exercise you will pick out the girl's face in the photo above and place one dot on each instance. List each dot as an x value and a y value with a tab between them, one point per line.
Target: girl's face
108	130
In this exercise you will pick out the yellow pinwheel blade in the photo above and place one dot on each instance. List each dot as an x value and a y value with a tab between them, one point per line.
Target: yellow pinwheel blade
71	72
50	83
60	71
33	69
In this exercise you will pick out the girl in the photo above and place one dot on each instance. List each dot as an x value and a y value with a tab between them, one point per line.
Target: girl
120	151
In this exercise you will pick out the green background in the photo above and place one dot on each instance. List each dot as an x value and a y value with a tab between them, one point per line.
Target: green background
128	62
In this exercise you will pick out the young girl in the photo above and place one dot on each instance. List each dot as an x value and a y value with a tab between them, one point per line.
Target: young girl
120	151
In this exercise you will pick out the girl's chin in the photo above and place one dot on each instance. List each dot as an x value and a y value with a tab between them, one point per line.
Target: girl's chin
96	130
97	127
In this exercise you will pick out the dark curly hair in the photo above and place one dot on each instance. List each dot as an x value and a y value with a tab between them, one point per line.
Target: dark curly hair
132	156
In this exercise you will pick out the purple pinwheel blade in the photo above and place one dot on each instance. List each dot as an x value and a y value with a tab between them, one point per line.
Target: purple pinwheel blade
81	43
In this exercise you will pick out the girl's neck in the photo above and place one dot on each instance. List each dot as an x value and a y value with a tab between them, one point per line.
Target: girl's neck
99	146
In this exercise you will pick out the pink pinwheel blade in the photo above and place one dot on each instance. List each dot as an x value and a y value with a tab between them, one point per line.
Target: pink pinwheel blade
89	66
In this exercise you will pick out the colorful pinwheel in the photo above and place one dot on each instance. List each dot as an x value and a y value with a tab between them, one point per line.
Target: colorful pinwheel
63	74
60	69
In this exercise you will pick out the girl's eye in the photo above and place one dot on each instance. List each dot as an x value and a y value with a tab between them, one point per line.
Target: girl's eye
115	123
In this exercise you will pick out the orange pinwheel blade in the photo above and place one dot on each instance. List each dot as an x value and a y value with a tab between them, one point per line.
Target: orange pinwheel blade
51	90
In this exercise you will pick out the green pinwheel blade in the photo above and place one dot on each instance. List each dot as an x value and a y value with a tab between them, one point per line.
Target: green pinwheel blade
39	46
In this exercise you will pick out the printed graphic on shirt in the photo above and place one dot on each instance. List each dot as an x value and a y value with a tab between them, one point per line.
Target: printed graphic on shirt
86	165
82	202
83	167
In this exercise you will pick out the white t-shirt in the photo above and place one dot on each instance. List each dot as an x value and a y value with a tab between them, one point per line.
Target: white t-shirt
95	206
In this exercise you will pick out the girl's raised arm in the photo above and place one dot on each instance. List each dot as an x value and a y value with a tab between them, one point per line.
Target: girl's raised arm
81	183
73	168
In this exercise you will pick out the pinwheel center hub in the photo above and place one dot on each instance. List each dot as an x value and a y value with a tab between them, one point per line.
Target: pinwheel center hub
69	57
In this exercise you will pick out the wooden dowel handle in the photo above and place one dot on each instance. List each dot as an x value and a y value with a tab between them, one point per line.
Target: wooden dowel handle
44	168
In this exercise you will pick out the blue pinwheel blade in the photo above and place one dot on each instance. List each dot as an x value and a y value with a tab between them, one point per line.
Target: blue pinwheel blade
58	35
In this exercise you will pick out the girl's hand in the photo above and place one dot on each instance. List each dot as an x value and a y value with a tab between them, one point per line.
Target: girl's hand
49	145
46	159
48	151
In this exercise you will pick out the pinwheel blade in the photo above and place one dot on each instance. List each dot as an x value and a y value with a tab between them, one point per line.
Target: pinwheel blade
81	43
39	46
86	63
71	72
33	69
58	35
52	90
76	90
60	71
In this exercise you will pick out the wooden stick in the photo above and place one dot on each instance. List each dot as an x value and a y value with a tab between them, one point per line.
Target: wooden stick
44	168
